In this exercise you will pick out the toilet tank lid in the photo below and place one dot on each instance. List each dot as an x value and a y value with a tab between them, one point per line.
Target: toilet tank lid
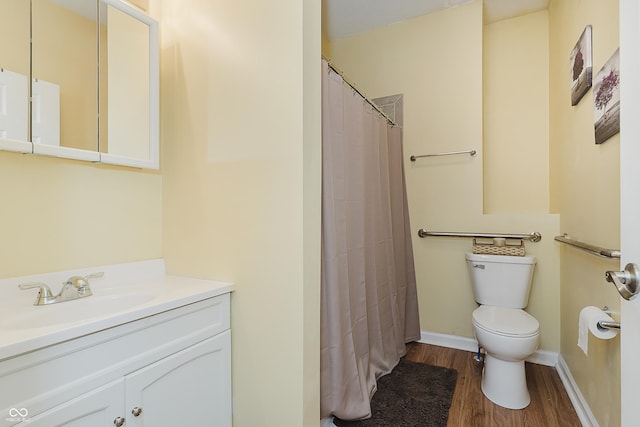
506	321
504	259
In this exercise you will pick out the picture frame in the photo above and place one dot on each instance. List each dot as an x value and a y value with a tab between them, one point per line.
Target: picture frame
581	66
606	99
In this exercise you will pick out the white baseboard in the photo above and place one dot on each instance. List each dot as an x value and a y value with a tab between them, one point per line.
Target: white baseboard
540	357
449	341
544	357
577	399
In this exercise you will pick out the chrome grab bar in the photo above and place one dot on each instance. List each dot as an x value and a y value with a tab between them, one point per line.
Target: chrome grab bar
594	250
472	153
534	237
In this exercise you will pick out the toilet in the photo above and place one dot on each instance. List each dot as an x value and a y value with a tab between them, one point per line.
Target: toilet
508	334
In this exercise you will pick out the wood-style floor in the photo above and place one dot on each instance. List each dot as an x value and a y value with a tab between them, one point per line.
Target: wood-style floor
550	405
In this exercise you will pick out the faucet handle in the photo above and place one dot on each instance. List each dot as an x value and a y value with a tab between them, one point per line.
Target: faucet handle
44	294
82	283
84	288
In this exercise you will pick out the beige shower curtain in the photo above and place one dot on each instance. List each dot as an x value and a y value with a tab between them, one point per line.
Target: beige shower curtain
369	303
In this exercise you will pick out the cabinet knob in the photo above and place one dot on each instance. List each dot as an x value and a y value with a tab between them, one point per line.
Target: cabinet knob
136	411
119	422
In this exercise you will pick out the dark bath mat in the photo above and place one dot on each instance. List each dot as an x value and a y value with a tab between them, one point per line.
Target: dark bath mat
413	394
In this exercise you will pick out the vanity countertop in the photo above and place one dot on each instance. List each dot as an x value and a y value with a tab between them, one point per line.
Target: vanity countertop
126	293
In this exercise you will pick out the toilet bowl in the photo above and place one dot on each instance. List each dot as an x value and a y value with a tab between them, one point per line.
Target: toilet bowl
509	336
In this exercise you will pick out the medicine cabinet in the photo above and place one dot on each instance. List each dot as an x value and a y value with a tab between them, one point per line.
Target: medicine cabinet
84	86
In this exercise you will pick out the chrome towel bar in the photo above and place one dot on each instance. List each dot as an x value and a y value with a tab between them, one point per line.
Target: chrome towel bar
534	237
594	250
472	153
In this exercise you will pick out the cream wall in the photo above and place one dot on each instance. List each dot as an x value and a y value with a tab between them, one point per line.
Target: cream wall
436	61
61	214
241	169
516	115
312	210
585	191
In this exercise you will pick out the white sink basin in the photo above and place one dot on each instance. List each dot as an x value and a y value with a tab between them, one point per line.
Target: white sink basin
126	293
79	310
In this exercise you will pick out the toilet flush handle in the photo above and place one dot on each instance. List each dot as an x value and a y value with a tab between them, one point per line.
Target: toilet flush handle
480	266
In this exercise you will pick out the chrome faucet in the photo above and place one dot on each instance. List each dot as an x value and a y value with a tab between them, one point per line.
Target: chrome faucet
73	288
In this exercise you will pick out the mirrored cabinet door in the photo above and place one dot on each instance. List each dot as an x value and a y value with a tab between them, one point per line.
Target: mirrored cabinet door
14	75
64	84
129	93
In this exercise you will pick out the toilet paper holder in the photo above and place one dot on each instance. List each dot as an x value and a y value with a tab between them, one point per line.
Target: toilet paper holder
608	325
603	324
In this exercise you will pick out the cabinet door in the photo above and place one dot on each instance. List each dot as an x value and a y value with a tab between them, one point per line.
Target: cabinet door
98	408
189	388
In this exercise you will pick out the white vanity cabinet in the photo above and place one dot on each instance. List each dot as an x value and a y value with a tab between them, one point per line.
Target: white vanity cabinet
190	388
99	407
168	369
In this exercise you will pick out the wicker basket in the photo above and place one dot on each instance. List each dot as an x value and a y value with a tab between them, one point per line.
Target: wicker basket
491	249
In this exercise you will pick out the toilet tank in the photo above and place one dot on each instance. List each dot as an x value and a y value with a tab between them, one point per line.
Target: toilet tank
500	280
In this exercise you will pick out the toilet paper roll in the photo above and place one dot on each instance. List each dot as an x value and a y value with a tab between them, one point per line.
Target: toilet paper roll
588	322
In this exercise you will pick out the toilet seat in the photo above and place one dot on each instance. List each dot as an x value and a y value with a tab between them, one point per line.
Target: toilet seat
508	322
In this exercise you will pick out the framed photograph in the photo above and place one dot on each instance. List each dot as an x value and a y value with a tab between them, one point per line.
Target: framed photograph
581	66
606	99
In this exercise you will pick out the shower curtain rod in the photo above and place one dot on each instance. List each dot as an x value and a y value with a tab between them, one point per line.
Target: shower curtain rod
352	86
